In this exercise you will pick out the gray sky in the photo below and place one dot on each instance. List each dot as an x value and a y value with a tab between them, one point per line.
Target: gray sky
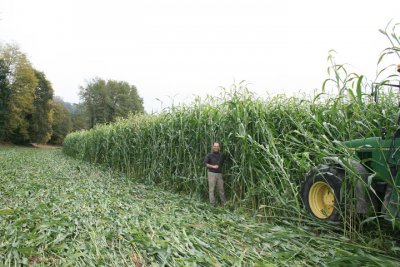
183	48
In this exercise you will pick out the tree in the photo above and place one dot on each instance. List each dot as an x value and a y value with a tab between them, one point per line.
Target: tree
106	100
4	98
123	98
41	119
22	81
77	112
62	123
26	108
94	98
78	117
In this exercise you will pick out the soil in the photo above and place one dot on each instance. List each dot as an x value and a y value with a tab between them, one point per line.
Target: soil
45	146
4	145
34	145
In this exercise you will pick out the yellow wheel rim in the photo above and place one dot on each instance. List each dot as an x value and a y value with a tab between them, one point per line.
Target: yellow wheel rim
321	199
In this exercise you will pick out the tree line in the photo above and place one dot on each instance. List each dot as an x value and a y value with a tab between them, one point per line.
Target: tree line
30	113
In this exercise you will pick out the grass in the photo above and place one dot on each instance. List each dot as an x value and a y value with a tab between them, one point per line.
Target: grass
55	210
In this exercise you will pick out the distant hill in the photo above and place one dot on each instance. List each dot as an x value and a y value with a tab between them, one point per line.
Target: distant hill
71	107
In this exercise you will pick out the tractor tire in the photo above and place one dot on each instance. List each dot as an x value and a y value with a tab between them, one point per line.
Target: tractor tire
321	193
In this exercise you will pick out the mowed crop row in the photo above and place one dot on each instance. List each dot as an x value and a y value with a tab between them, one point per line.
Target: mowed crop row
270	143
58	211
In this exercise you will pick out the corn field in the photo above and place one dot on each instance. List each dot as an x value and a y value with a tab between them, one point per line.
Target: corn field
135	193
270	143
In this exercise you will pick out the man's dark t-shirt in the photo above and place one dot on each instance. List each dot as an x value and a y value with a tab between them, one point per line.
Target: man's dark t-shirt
214	158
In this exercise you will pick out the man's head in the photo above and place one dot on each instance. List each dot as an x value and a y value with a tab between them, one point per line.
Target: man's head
215	147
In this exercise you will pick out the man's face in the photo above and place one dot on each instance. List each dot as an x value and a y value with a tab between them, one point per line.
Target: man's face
215	147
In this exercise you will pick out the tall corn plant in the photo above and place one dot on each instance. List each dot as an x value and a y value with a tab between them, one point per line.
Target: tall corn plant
270	143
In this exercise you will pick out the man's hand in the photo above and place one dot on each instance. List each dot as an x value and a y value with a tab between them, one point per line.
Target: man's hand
212	166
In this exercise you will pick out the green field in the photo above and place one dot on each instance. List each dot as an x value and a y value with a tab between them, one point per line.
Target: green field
55	210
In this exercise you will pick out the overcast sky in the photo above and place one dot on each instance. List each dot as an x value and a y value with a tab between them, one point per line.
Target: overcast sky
183	48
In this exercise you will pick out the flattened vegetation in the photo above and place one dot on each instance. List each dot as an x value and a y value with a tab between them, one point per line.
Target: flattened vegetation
55	210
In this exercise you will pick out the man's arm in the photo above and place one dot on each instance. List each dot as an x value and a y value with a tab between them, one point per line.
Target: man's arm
210	166
206	160
222	160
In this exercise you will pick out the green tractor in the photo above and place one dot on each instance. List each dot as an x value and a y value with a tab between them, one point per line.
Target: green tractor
372	175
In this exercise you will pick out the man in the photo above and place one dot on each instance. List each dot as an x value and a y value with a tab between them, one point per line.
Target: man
214	162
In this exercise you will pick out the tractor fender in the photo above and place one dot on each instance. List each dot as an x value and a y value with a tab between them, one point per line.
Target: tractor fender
358	167
363	202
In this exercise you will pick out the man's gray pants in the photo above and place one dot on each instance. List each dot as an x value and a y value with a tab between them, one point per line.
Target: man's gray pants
215	179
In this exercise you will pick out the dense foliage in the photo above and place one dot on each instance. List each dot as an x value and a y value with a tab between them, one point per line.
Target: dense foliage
62	122
30	114
270	143
40	120
24	98
104	101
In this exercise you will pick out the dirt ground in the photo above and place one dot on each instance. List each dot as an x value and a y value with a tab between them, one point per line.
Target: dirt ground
34	145
42	146
4	145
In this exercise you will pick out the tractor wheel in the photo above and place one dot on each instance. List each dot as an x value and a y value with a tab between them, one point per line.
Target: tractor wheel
321	193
